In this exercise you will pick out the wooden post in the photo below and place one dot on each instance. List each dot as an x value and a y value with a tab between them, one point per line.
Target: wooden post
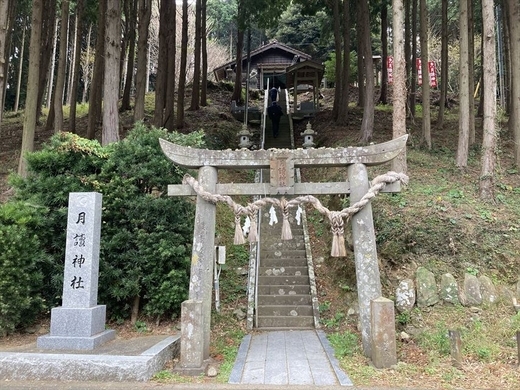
518	345
456	348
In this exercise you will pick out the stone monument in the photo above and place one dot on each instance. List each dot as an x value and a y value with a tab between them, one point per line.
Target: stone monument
79	324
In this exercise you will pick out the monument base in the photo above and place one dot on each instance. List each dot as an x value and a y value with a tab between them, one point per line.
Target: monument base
75	343
191	371
77	329
78	321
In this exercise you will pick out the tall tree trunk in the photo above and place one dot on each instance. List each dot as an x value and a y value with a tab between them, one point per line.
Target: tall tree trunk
182	71
413	62
47	43
162	63
31	103
471	72
399	84
426	120
463	146
360	62
383	98
135	309
62	65
513	8
345	70
72	45
444	64
51	80
489	95
336	107
11	17
169	111
80	10
111	84
145	12
129	79
237	91
480	109
204	50
195	93
129	15
507	83
96	88
408	48
86	69
367	124
20	70
4	23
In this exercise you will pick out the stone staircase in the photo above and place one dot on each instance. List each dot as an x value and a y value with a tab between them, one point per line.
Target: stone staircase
284	287
284	290
285	136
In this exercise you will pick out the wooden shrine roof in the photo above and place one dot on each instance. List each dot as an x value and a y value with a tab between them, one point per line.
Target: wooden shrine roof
304	72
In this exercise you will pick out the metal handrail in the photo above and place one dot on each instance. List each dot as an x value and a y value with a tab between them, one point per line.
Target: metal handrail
254	259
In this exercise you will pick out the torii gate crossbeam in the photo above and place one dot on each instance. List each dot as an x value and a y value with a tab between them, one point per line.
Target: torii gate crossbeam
196	313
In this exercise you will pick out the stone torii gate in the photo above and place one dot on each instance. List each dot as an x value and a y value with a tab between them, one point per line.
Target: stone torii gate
196	311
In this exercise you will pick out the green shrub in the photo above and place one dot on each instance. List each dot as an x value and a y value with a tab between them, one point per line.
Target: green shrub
67	163
145	236
344	344
20	261
436	340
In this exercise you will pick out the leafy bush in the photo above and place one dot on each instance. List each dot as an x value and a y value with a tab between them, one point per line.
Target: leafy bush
145	236
67	163
436	340
20	262
344	344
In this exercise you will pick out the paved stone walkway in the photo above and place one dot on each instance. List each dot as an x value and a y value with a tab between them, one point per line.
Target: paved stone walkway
302	357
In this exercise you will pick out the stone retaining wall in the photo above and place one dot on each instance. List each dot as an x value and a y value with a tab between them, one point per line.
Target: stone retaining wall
472	291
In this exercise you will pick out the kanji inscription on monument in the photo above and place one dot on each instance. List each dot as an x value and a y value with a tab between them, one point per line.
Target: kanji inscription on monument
282	173
80	322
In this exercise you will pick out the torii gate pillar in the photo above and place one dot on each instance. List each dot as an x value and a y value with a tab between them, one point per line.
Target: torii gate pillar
195	332
365	252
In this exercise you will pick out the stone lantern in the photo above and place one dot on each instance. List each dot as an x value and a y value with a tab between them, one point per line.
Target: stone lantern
308	136
244	135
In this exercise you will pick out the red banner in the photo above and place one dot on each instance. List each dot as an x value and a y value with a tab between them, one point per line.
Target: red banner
390	69
433	74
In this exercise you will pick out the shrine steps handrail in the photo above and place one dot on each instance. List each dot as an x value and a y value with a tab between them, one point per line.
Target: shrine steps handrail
374	154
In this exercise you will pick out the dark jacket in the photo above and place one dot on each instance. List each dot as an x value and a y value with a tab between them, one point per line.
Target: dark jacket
275	112
273	94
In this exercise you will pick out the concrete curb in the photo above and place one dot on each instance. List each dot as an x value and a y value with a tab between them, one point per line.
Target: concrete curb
240	361
343	378
88	367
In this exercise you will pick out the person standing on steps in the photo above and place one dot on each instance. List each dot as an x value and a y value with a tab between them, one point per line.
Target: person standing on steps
273	94
275	113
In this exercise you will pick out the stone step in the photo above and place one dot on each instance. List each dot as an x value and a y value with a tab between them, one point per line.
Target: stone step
282	280
283	270
283	253
290	299
284	310
277	263
276	234
275	244
277	227
285	322
283	290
